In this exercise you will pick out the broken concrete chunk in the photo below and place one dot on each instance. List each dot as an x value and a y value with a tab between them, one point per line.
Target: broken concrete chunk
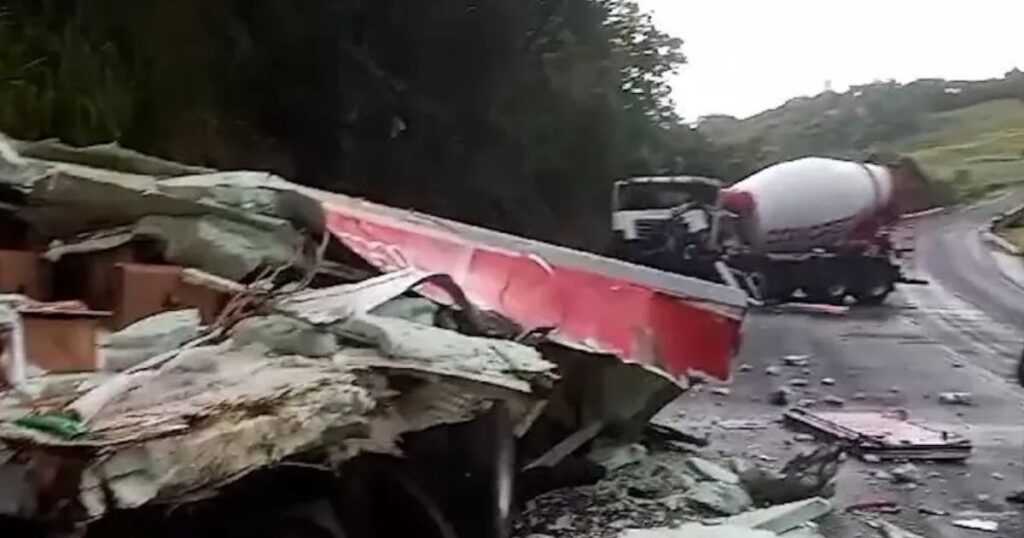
149	337
740	424
805	476
447	349
929	511
720	497
888	530
882	475
781	396
415	309
834	401
712	471
698	530
798	361
956	398
977	524
616	456
284	335
810	530
784	517
227	248
908	473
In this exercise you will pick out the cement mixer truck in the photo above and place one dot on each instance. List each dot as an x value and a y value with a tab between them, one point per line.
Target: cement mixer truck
813	228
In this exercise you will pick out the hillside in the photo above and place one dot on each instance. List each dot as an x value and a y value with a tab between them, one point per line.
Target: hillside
976	149
967	134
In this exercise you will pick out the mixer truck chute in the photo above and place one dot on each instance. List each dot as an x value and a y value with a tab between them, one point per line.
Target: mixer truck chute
813	227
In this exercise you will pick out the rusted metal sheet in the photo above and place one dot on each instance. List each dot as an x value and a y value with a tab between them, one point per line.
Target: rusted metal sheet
680	324
886	435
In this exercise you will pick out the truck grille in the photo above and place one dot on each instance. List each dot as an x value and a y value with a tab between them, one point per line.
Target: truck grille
647	227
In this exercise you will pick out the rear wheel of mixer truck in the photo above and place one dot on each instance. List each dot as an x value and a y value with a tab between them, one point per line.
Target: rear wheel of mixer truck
874	281
829	282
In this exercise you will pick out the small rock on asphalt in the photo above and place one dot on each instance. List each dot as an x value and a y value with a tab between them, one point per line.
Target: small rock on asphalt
796	360
929	511
781	396
998	476
772	370
835	401
807	402
798	382
744	367
721	391
828	381
956	398
908	473
804	438
870	458
860	396
881	475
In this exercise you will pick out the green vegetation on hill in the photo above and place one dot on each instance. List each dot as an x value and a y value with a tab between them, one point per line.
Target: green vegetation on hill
975	150
968	135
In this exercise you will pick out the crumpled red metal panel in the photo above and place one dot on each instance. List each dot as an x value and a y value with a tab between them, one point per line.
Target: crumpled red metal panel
679	324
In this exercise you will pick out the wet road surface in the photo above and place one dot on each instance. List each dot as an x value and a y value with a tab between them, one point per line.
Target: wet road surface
963	332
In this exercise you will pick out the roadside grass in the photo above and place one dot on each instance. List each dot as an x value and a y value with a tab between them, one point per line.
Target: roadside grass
1014	235
973	151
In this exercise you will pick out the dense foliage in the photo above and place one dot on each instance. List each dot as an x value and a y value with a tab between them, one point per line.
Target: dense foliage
515	114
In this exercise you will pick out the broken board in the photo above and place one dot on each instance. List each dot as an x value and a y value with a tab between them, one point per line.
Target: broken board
885	435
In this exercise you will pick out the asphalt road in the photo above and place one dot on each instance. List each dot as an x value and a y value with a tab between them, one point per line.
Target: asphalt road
962	332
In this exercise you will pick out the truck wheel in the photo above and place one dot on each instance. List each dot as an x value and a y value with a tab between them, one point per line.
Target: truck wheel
830	290
875	285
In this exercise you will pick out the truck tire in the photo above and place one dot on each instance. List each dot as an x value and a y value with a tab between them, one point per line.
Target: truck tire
830	284
874	283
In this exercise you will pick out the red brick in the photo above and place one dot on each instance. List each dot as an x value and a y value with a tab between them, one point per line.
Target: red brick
141	290
24	272
61	341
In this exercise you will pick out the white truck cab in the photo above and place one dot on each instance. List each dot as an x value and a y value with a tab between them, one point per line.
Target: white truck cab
640	204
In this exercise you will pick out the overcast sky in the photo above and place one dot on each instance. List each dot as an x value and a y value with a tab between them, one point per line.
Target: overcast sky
745	56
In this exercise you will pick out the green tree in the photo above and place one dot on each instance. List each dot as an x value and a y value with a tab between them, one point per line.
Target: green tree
509	113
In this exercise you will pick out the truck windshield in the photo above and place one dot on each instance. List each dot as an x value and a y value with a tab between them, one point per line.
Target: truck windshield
638	196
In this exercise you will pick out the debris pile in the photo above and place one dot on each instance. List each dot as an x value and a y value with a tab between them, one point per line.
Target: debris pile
256	350
673	491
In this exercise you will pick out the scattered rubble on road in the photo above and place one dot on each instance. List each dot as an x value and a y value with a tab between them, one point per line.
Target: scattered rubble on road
672	493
